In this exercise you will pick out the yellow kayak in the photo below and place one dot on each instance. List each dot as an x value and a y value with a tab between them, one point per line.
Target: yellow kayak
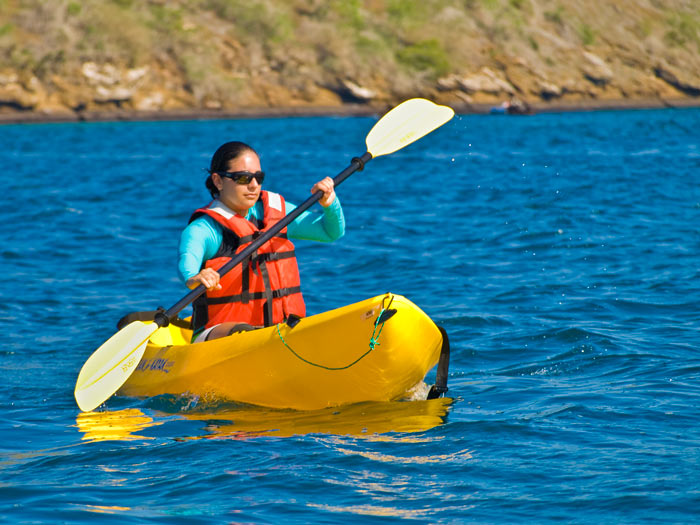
376	350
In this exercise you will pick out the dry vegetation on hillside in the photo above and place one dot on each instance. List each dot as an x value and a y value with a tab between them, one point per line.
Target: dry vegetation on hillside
155	55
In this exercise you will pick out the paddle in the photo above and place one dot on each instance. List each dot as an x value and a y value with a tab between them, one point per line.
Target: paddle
111	364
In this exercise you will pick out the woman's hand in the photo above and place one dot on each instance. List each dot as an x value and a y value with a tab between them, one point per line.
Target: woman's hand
208	277
326	186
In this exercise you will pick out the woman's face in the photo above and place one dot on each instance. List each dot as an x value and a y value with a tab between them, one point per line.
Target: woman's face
239	197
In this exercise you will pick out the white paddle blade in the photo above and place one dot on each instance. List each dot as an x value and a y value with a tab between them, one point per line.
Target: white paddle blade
111	364
405	124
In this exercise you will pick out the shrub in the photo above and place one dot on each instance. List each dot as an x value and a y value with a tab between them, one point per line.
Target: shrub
587	34
6	29
556	16
427	55
73	8
684	29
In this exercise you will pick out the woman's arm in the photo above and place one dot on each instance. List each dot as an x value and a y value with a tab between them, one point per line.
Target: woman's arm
328	227
198	243
309	226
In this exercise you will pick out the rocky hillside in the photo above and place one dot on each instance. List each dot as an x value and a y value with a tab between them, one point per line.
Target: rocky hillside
146	58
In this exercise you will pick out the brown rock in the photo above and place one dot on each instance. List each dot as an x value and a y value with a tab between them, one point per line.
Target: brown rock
351	91
117	94
486	81
596	70
680	80
525	81
548	91
16	96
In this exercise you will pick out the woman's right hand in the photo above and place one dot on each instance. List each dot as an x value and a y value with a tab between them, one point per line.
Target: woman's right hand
207	277
327	186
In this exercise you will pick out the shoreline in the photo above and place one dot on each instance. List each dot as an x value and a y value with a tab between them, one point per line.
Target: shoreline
346	110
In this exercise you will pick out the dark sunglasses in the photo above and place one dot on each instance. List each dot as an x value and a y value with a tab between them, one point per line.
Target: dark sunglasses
243	177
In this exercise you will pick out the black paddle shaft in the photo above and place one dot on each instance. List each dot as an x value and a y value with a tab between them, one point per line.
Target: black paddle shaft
162	318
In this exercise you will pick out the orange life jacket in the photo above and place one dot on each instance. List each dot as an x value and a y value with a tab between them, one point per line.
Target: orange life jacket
265	288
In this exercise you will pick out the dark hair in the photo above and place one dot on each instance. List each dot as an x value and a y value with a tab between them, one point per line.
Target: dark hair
220	161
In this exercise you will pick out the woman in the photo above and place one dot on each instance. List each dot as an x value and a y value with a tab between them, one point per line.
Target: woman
264	289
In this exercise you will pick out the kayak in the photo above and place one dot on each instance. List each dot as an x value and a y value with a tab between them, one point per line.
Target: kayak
379	349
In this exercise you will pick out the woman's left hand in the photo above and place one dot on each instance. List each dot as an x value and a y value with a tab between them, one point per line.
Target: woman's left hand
327	187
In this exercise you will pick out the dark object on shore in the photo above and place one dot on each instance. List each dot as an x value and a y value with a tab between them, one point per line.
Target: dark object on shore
514	106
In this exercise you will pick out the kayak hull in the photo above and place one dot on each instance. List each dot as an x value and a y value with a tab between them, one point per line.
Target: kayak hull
334	358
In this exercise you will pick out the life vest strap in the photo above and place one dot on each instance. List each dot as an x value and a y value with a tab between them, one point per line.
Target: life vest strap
282	292
245	278
250	238
267	314
274	256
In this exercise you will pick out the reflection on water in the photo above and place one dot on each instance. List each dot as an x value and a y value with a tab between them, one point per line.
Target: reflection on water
376	456
375	510
394	512
102	509
357	419
362	419
118	425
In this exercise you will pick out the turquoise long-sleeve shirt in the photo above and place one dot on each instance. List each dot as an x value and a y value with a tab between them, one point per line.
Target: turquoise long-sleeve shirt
201	239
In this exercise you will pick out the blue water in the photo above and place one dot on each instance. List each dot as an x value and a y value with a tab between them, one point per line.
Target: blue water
560	251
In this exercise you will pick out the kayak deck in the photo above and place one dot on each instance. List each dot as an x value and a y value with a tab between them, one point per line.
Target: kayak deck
334	358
